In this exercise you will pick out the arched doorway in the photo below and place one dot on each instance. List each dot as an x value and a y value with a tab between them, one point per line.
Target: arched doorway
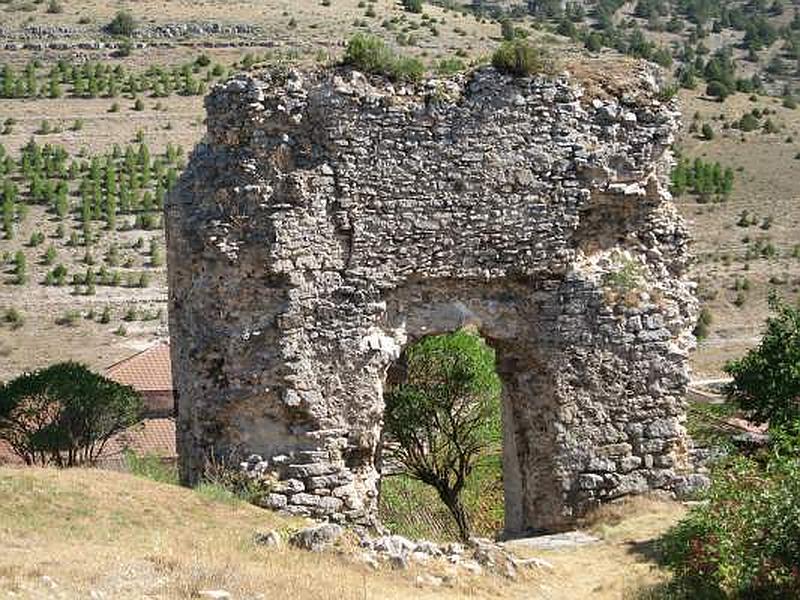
441	454
503	316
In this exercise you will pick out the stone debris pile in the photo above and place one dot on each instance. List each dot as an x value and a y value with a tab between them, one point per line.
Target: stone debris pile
477	557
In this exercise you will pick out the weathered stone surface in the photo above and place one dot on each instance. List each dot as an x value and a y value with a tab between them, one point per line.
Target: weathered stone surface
555	541
329	219
269	539
688	486
316	538
276	501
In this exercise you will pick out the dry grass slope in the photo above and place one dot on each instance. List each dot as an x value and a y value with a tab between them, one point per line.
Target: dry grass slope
126	537
67	534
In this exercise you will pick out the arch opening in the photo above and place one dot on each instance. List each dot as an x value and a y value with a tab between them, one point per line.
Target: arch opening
528	496
445	396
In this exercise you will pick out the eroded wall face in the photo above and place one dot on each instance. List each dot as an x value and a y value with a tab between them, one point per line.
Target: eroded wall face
329	220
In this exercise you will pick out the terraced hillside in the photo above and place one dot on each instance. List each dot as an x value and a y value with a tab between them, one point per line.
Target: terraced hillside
104	82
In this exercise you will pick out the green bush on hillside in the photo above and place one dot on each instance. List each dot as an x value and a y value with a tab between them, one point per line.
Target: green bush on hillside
766	381
717	89
123	23
519	58
414	6
745	542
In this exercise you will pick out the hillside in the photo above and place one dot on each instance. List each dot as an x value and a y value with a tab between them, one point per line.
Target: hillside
86	533
68	83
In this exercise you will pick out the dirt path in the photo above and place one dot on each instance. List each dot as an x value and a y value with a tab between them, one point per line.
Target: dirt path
618	565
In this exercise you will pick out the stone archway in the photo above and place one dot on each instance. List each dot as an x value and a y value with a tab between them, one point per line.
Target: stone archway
329	218
505	315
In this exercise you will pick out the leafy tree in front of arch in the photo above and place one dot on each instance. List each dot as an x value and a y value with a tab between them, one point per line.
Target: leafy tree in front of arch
445	414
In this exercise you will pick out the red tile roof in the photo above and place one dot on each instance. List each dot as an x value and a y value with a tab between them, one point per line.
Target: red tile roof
154	436
149	370
7	456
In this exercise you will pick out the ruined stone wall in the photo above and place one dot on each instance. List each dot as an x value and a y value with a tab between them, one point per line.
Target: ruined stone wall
330	219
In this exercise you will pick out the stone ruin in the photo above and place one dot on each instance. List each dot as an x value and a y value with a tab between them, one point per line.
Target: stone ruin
331	218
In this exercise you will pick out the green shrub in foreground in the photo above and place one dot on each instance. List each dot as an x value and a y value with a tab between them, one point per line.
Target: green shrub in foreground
766	381
745	542
371	54
519	58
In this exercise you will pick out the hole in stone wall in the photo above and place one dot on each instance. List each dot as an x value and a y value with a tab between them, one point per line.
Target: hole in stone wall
423	385
607	221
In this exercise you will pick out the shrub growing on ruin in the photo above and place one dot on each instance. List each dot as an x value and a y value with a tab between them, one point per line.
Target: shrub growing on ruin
445	414
519	58
371	54
65	414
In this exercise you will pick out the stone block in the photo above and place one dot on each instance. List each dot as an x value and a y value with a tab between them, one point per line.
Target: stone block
289	486
663	428
589	481
276	501
310	470
305	499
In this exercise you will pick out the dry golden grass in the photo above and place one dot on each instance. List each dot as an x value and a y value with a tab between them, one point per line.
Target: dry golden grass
81	531
126	537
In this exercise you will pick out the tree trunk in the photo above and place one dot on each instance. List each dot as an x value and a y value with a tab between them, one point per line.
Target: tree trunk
456	508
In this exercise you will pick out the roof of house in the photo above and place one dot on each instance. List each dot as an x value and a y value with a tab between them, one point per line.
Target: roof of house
147	371
153	436
7	455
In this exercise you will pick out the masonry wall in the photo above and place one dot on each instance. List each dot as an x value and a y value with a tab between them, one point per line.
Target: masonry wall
330	219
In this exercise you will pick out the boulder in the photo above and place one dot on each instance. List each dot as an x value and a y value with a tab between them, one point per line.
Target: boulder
317	538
